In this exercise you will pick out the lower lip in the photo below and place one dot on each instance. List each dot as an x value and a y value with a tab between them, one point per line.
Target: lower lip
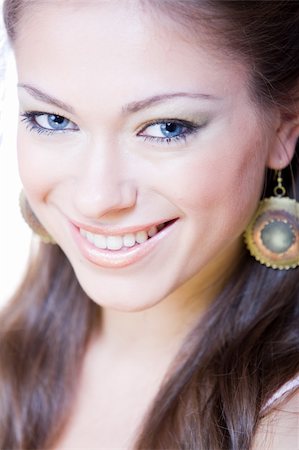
119	258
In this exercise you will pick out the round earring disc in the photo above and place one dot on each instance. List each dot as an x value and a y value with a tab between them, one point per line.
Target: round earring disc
272	236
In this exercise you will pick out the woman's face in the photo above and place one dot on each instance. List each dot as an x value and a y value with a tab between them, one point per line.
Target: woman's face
126	124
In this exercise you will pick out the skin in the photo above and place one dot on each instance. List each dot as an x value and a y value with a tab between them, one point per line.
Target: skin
103	172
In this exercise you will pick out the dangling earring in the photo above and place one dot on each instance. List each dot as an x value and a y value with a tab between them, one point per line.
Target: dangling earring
32	221
272	236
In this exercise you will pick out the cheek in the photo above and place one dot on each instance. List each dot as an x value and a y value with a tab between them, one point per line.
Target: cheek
40	168
222	188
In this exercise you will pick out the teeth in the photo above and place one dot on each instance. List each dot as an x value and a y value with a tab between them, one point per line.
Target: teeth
90	237
152	231
114	242
129	240
83	233
161	226
100	241
117	242
141	236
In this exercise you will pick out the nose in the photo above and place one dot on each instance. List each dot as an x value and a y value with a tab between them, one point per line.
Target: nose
103	184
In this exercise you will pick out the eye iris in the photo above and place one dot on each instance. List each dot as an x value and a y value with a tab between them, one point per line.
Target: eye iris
57	122
171	129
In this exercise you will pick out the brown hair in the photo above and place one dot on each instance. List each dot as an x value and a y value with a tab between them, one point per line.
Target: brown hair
233	361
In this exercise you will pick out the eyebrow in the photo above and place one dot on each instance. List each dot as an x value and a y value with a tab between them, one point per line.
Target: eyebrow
132	107
42	96
156	99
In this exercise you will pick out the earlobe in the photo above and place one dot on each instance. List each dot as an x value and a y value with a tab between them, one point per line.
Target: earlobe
283	149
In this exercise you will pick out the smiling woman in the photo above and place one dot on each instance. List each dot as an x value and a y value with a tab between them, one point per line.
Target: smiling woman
146	140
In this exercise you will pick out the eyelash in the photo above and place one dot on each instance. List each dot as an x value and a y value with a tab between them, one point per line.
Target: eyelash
191	128
28	118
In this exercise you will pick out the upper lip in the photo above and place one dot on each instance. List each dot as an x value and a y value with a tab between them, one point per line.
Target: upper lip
110	230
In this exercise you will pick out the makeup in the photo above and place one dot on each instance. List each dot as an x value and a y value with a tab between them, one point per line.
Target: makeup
123	256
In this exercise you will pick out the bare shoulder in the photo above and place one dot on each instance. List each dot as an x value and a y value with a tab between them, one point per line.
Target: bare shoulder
280	428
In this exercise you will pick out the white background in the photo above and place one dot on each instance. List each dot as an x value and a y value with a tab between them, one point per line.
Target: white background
15	236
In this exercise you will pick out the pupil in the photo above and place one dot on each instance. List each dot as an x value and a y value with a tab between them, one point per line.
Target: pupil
57	122
171	127
57	119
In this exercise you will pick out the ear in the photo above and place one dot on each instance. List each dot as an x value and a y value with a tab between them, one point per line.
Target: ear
284	145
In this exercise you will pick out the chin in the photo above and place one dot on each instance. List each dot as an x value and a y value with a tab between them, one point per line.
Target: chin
125	297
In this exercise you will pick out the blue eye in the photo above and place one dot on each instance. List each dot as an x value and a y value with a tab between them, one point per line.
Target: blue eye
167	131
41	122
171	129
54	121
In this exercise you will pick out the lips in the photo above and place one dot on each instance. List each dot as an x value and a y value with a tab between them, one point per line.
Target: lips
119	241
119	249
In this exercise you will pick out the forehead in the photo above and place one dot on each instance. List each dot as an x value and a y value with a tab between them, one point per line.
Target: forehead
121	46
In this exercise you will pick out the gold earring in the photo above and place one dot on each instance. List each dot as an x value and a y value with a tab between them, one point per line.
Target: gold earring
272	236
32	221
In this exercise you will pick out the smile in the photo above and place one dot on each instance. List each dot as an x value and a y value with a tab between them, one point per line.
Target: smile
120	250
117	242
